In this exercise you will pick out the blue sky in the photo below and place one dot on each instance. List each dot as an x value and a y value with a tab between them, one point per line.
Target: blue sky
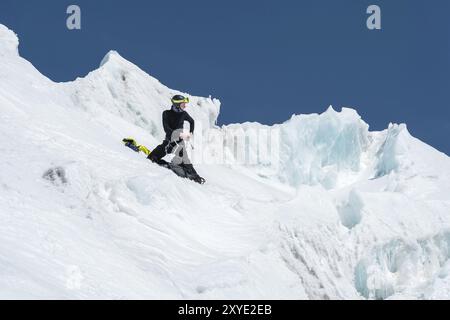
265	60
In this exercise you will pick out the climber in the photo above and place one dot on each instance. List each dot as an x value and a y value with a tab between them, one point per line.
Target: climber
174	142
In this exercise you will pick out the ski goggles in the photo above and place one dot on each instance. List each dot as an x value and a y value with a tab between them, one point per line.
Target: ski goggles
185	100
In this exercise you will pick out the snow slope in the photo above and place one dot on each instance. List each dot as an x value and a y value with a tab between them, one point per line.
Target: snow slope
344	213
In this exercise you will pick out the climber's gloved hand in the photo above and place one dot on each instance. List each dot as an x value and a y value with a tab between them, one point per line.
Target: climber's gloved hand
185	136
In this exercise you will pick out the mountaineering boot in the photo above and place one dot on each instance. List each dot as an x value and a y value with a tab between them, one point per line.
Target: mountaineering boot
131	143
192	174
144	150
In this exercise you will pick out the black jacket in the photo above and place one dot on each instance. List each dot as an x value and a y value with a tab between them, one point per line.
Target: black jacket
173	120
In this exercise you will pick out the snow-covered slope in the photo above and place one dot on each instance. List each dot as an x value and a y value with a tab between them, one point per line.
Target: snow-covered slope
342	213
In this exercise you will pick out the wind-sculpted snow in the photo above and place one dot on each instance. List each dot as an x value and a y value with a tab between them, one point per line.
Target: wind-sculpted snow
317	207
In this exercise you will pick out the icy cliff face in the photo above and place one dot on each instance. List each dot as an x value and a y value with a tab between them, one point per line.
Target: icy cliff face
318	207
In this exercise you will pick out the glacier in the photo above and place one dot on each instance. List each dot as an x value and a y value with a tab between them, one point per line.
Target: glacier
343	212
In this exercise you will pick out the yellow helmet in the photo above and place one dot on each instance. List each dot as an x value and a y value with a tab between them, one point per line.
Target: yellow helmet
179	99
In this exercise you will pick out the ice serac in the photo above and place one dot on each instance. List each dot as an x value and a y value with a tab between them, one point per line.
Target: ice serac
346	213
334	149
328	149
317	148
394	148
